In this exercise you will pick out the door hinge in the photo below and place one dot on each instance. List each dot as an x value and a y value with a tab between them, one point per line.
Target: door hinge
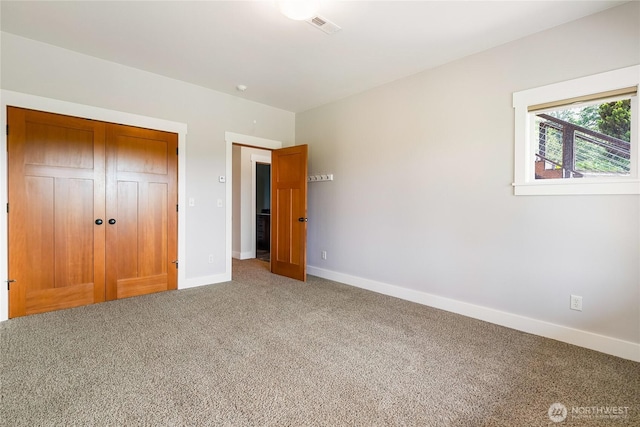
9	282
177	208
7	129
7	207
177	151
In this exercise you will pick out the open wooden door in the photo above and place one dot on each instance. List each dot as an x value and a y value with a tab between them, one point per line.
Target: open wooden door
289	212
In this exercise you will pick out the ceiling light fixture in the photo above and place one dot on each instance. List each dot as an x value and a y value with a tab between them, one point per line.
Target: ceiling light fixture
298	10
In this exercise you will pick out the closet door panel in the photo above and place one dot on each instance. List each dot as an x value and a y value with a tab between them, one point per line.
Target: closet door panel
141	206
56	193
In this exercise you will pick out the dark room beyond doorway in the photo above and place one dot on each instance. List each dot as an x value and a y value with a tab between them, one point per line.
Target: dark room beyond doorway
263	211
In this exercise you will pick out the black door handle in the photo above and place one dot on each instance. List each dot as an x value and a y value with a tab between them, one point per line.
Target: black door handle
112	221
98	221
303	219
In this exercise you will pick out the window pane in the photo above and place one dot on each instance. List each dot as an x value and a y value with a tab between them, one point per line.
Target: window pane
589	141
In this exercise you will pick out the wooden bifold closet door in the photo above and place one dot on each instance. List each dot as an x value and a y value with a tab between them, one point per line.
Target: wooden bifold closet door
92	211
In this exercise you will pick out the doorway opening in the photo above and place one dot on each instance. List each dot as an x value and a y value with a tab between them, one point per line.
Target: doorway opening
251	202
288	224
263	211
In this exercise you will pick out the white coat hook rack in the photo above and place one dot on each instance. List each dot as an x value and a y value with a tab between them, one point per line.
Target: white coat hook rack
320	177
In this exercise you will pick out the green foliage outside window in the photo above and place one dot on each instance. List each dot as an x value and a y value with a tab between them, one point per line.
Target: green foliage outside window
615	119
609	118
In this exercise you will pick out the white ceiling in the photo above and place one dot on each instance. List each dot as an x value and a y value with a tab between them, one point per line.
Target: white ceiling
286	64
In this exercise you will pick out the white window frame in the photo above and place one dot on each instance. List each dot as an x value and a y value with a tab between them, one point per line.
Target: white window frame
524	177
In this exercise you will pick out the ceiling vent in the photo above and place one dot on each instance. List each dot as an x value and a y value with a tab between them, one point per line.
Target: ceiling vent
324	24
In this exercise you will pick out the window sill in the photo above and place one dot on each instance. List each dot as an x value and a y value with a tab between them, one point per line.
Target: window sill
558	187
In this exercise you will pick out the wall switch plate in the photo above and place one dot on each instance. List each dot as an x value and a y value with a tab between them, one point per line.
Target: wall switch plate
192	201
324	254
210	258
576	302
219	203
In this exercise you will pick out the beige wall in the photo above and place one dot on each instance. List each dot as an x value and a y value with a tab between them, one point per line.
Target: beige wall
44	70
422	197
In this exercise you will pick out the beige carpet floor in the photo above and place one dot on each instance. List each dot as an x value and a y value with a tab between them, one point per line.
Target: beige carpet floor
264	350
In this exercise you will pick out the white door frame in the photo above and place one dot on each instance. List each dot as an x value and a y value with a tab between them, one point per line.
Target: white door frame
252	141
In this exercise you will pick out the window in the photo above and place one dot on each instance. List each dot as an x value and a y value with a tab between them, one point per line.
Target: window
579	136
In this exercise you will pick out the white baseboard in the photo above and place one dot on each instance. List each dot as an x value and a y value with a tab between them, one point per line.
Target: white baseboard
601	343
205	280
242	255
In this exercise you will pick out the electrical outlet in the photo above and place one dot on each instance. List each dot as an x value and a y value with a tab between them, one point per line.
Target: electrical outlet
576	302
211	259
324	254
